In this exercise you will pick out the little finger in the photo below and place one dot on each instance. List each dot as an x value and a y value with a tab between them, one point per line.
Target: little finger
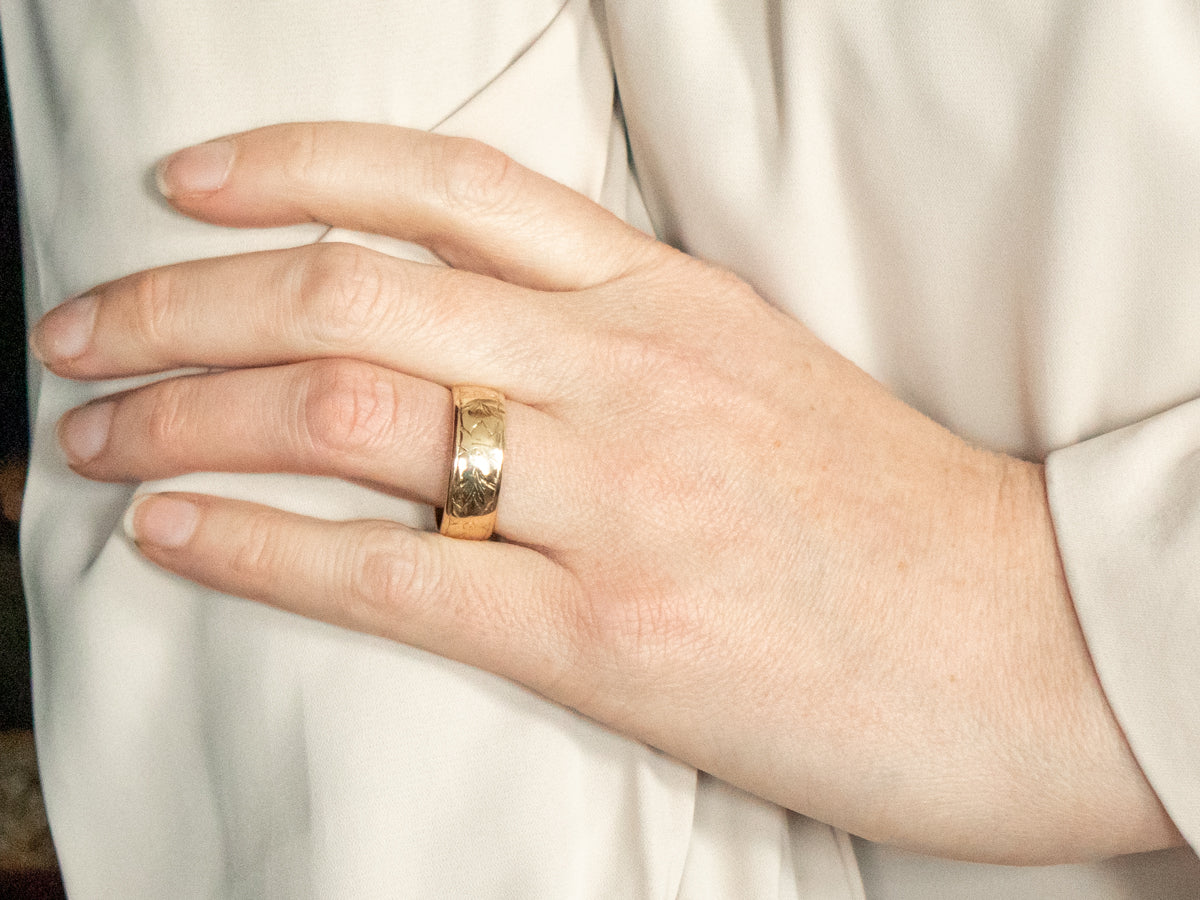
498	606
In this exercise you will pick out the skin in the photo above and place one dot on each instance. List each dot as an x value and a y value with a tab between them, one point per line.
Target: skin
722	538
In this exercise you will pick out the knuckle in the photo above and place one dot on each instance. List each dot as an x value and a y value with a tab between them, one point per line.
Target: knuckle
472	176
257	550
342	294
168	419
731	303
310	156
642	630
153	317
387	579
680	372
723	282
348	407
631	361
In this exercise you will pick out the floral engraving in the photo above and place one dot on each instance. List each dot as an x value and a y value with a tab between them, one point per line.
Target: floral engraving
480	452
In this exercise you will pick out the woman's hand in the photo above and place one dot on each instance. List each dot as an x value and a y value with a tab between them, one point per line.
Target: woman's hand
722	538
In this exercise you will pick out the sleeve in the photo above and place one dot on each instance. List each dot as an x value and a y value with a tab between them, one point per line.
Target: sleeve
1128	523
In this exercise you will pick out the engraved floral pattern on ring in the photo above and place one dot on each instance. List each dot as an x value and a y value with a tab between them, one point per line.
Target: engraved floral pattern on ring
479	454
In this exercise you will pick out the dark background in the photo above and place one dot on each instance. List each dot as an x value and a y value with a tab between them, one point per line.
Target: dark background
15	709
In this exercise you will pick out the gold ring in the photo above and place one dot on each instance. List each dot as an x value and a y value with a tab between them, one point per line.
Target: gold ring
474	488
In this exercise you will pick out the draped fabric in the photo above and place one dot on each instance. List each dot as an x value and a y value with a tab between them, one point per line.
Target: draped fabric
990	206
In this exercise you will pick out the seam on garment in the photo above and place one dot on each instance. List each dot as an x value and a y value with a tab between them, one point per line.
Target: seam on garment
521	52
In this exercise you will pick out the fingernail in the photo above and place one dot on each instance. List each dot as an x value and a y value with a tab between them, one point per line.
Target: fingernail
201	169
84	432
65	331
161	520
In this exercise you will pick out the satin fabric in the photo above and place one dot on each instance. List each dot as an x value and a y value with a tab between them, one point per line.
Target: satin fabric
986	205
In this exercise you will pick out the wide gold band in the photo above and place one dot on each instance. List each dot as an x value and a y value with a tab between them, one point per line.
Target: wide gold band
474	488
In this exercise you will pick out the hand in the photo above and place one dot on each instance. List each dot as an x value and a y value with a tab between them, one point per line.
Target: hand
722	538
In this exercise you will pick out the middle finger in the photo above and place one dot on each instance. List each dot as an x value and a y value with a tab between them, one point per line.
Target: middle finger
321	300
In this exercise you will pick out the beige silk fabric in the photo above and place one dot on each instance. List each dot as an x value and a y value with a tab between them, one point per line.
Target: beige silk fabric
991	206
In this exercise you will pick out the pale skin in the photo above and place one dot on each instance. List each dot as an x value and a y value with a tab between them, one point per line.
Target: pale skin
721	537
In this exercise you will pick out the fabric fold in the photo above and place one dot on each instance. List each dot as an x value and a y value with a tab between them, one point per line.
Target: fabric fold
1128	527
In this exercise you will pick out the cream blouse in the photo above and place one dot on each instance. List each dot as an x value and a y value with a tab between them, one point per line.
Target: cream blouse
990	206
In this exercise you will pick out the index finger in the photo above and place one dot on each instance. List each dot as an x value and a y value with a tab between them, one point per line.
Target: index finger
467	202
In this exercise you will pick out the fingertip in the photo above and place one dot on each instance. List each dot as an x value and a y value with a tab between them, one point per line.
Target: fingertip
198	170
83	432
130	512
65	332
161	520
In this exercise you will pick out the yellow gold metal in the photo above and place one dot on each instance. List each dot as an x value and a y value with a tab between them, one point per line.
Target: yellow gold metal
474	488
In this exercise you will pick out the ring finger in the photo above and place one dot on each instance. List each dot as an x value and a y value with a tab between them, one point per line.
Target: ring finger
339	417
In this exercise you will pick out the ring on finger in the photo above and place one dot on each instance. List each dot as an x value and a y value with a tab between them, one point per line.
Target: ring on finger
474	487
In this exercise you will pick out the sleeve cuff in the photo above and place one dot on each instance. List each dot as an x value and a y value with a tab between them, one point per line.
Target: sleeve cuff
1126	508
